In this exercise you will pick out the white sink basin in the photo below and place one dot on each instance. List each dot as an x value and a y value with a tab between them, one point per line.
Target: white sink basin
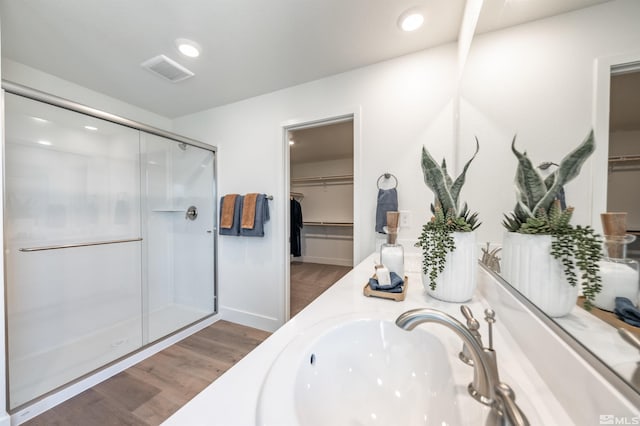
360	371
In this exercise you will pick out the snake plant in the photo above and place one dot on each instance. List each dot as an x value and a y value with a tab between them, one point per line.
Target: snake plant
436	239
539	211
536	195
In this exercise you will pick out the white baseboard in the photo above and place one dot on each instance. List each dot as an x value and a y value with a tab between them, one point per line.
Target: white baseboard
250	319
326	260
50	401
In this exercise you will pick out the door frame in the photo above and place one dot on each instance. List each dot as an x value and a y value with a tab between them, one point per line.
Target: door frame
604	68
346	114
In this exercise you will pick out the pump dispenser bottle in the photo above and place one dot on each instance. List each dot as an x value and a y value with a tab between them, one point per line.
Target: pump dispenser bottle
392	253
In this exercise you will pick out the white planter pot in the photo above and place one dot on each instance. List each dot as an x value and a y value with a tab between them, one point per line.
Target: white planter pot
527	264
457	282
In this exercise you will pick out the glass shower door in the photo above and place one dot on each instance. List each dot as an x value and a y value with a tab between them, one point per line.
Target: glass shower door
72	245
179	205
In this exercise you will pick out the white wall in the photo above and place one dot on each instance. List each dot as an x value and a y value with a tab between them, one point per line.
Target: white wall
536	81
399	105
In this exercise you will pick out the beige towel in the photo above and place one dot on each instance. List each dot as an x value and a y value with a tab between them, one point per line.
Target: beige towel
228	208
249	211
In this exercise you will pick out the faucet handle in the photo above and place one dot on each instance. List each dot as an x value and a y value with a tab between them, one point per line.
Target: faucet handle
473	325
506	400
467	313
490	318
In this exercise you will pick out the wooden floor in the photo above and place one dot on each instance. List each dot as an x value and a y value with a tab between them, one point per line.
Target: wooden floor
310	280
149	392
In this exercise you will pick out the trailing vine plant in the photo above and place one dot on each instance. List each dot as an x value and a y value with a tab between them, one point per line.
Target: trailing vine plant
436	239
539	211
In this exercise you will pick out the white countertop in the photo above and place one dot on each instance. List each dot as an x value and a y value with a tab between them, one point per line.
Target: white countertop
232	399
603	340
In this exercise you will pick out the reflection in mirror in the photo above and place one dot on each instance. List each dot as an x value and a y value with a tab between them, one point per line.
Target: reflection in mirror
514	83
605	330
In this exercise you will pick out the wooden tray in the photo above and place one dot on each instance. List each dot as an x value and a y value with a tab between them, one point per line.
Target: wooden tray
385	294
610	318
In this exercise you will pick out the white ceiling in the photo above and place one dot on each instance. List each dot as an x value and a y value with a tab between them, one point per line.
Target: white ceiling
250	47
322	143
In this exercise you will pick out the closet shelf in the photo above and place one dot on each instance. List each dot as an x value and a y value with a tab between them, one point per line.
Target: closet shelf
345	224
323	179
623	159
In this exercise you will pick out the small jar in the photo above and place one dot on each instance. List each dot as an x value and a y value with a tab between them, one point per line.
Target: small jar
620	275
392	255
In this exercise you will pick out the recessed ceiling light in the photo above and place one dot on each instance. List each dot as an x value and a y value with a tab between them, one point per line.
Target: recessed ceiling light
188	48
45	143
411	20
291	142
93	129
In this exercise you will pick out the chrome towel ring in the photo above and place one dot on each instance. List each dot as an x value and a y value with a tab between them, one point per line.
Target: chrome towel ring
387	176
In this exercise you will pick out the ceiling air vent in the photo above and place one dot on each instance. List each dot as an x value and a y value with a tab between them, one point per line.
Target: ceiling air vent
167	68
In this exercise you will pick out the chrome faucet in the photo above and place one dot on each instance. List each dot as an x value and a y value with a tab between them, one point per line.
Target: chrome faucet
486	386
473	326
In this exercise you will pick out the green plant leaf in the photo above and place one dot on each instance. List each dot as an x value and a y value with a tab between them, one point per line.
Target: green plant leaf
549	180
435	179
529	184
569	168
457	185
447	179
522	212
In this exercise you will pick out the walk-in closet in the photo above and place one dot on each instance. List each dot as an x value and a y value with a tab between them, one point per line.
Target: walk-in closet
321	173
623	194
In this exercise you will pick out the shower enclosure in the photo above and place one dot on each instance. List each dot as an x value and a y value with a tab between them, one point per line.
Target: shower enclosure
109	241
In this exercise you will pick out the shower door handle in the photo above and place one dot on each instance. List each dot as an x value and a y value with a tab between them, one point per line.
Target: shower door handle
192	213
65	246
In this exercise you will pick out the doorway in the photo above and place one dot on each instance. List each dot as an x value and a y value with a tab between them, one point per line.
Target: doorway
321	214
623	194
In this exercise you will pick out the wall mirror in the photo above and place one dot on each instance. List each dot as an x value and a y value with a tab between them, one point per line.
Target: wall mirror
595	334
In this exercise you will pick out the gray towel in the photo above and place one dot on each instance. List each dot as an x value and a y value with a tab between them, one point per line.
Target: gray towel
387	202
237	212
627	312
396	286
262	215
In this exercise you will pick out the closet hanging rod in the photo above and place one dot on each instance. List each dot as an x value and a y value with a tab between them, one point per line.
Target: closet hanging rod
623	158
65	246
348	224
321	178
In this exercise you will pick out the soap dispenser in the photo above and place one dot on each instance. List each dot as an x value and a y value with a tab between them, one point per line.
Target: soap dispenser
392	253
